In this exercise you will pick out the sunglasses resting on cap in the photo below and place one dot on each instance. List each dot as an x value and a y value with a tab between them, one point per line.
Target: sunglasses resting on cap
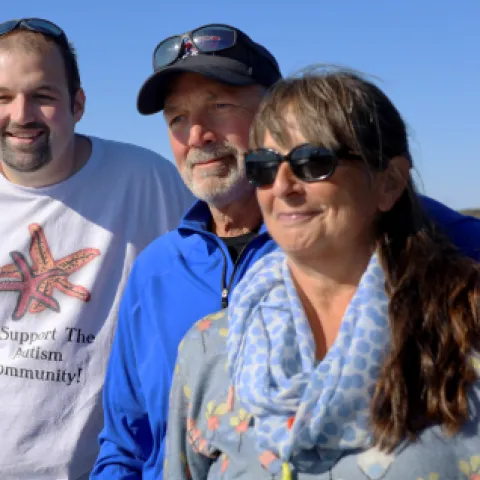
221	52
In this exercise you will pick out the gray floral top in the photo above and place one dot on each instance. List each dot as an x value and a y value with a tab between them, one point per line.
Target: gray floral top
207	439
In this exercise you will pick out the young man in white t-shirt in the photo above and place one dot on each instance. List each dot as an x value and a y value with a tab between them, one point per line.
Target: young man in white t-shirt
75	213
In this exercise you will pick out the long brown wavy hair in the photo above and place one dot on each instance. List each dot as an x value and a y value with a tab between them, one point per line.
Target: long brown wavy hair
433	289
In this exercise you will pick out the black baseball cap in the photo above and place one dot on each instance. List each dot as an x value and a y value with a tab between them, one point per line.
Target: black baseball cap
218	51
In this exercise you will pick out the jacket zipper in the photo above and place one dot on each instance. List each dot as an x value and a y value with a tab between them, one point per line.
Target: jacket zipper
226	288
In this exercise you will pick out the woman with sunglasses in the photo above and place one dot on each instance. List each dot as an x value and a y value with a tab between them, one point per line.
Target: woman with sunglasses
352	352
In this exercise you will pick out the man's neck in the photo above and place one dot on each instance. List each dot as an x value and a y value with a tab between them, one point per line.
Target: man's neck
55	171
238	218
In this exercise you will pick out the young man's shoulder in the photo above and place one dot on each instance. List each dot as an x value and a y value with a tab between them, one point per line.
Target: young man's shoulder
134	157
145	176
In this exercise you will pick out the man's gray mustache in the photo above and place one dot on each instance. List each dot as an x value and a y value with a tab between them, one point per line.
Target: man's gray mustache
197	157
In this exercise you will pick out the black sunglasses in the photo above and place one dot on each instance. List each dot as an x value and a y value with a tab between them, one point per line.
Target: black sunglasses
38	25
207	39
309	163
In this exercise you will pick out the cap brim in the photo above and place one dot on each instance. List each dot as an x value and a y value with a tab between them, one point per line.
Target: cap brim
151	97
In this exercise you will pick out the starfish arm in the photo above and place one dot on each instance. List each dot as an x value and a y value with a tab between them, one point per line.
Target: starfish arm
47	287
22	266
75	261
11	286
36	307
39	250
23	303
76	291
51	274
10	271
64	286
49	302
21	307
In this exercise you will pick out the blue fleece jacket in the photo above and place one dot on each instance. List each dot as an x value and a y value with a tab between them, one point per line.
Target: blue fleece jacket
177	280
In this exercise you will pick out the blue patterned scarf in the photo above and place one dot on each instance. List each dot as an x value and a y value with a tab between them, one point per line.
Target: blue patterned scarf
299	405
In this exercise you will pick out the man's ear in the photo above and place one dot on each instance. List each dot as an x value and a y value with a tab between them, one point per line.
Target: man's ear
393	182
79	105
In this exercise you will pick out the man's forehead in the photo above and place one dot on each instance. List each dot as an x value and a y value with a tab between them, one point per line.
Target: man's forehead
186	82
190	87
178	98
25	41
44	54
31	70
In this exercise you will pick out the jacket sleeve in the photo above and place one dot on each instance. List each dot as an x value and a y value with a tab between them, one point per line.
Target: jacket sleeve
183	460
126	439
462	230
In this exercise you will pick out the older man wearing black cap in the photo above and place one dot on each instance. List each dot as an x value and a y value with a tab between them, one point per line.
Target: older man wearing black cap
209	83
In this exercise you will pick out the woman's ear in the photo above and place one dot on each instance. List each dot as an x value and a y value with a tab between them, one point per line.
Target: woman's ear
393	182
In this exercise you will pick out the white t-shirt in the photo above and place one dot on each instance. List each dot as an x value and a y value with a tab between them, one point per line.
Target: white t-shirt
65	253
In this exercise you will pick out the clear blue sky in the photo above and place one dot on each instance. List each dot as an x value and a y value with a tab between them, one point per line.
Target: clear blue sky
426	53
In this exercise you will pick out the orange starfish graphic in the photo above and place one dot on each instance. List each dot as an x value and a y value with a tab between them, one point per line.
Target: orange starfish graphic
48	272
28	286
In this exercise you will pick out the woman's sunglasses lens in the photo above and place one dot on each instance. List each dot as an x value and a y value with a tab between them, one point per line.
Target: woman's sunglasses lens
261	167
311	164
